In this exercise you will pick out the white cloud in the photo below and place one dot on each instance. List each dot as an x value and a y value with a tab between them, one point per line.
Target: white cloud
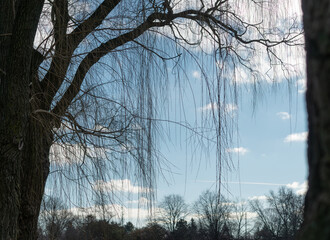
61	153
196	74
114	211
142	201
296	137
300	188
302	85
260	198
120	185
247	183
239	150
229	108
208	107
283	115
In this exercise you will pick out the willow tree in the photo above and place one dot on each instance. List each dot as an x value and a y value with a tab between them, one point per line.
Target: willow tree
81	80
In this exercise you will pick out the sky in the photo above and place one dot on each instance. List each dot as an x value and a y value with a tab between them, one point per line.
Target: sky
268	147
268	152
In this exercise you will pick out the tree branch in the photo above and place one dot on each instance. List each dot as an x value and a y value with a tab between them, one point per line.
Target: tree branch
89	25
65	44
99	52
156	19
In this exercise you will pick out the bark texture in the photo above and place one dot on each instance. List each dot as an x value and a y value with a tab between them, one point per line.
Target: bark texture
19	20
34	173
317	35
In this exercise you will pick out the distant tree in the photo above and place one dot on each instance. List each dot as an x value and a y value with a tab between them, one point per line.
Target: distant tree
192	230
264	234
129	227
152	231
181	231
54	218
213	211
238	219
171	210
94	229
282	215
73	231
226	233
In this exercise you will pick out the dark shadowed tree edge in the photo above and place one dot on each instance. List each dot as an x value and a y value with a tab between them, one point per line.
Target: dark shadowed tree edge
59	114
317	203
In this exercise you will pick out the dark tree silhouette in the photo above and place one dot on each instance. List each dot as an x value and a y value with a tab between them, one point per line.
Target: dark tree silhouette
282	214
317	37
172	209
213	211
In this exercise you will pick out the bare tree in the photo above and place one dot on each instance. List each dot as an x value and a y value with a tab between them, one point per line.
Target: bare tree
81	80
54	217
214	212
172	209
282	215
238	219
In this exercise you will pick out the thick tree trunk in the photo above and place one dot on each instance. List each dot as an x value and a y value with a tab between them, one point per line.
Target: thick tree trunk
34	173
317	35
19	20
20	206
10	159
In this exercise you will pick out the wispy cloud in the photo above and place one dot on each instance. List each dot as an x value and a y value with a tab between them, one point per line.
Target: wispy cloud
226	107
121	185
296	137
208	107
196	74
239	150
61	153
284	115
142	201
260	198
246	183
302	85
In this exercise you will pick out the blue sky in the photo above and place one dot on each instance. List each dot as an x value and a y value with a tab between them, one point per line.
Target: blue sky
269	150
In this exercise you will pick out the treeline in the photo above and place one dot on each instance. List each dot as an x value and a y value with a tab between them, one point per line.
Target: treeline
277	216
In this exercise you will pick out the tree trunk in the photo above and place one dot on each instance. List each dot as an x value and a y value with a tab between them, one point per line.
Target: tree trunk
21	205
34	173
317	35
19	21
10	159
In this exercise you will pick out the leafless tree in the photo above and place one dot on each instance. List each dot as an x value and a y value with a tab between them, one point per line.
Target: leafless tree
171	210
238	219
213	211
54	217
81	81
282	215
